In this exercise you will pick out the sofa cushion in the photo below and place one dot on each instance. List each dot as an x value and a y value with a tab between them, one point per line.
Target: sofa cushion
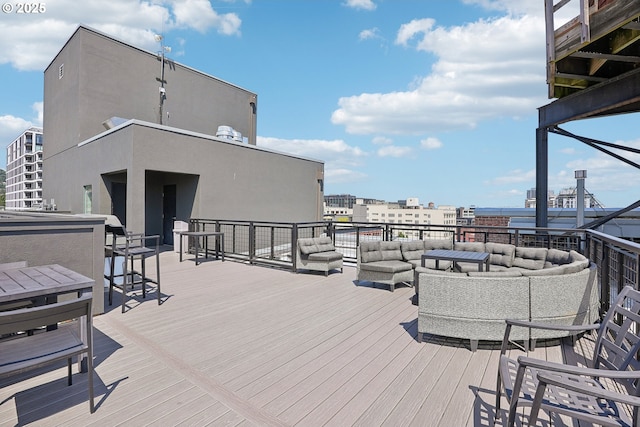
576	256
575	266
325	256
469	246
370	251
325	244
501	253
530	258
391	251
412	250
430	244
307	245
557	257
391	266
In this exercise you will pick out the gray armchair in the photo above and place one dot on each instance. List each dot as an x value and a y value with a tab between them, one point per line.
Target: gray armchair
580	392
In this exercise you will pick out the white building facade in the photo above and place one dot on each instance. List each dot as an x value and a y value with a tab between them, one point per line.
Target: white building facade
24	171
409	214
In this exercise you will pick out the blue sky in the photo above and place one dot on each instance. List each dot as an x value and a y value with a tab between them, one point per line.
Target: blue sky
435	99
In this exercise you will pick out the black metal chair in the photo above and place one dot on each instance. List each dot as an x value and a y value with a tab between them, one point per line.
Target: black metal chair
606	394
131	247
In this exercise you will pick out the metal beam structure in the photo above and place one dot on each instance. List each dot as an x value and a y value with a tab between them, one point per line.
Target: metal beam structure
619	95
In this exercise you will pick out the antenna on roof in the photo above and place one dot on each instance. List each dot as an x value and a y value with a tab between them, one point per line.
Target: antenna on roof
161	57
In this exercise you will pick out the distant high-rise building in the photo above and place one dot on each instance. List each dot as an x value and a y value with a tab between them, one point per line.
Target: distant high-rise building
567	199
24	171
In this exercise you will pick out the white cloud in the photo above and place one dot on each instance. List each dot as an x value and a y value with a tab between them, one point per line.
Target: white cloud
361	4
470	81
568	150
11	127
371	33
341	176
341	160
515	176
382	140
431	143
29	43
394	151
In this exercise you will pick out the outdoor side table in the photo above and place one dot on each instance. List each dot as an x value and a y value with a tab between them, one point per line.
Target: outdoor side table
204	234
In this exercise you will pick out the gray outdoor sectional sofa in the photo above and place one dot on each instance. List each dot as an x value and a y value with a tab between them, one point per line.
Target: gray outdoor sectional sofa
392	263
537	284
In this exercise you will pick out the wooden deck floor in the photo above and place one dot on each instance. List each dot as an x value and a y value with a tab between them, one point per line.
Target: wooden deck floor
240	345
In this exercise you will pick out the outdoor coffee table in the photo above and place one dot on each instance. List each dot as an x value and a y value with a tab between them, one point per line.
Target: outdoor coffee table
481	258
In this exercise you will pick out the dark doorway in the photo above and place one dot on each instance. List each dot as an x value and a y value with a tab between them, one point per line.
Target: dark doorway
169	212
119	201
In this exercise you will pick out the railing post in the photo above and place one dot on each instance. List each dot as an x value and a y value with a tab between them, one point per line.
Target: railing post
294	247
252	242
605	287
272	243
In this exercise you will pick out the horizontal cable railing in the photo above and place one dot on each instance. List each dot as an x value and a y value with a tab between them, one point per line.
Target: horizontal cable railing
274	243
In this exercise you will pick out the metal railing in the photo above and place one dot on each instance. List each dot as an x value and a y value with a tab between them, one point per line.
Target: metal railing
273	243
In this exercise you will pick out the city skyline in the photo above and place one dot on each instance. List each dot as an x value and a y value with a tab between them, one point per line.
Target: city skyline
430	99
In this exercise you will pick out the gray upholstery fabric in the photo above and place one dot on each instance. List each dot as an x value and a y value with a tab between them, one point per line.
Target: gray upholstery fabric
474	306
307	245
471	307
551	271
430	244
391	251
325	256
557	257
504	273
412	250
370	251
469	246
530	258
382	262
318	254
325	244
568	299
576	256
427	270
501	253
391	266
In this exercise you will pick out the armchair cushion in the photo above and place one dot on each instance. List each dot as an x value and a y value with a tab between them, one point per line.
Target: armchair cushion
391	251
325	256
324	244
370	252
307	245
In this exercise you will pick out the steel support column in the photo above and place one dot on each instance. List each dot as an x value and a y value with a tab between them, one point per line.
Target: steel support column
542	183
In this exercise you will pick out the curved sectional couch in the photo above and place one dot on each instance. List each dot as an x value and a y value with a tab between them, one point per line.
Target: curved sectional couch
536	284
